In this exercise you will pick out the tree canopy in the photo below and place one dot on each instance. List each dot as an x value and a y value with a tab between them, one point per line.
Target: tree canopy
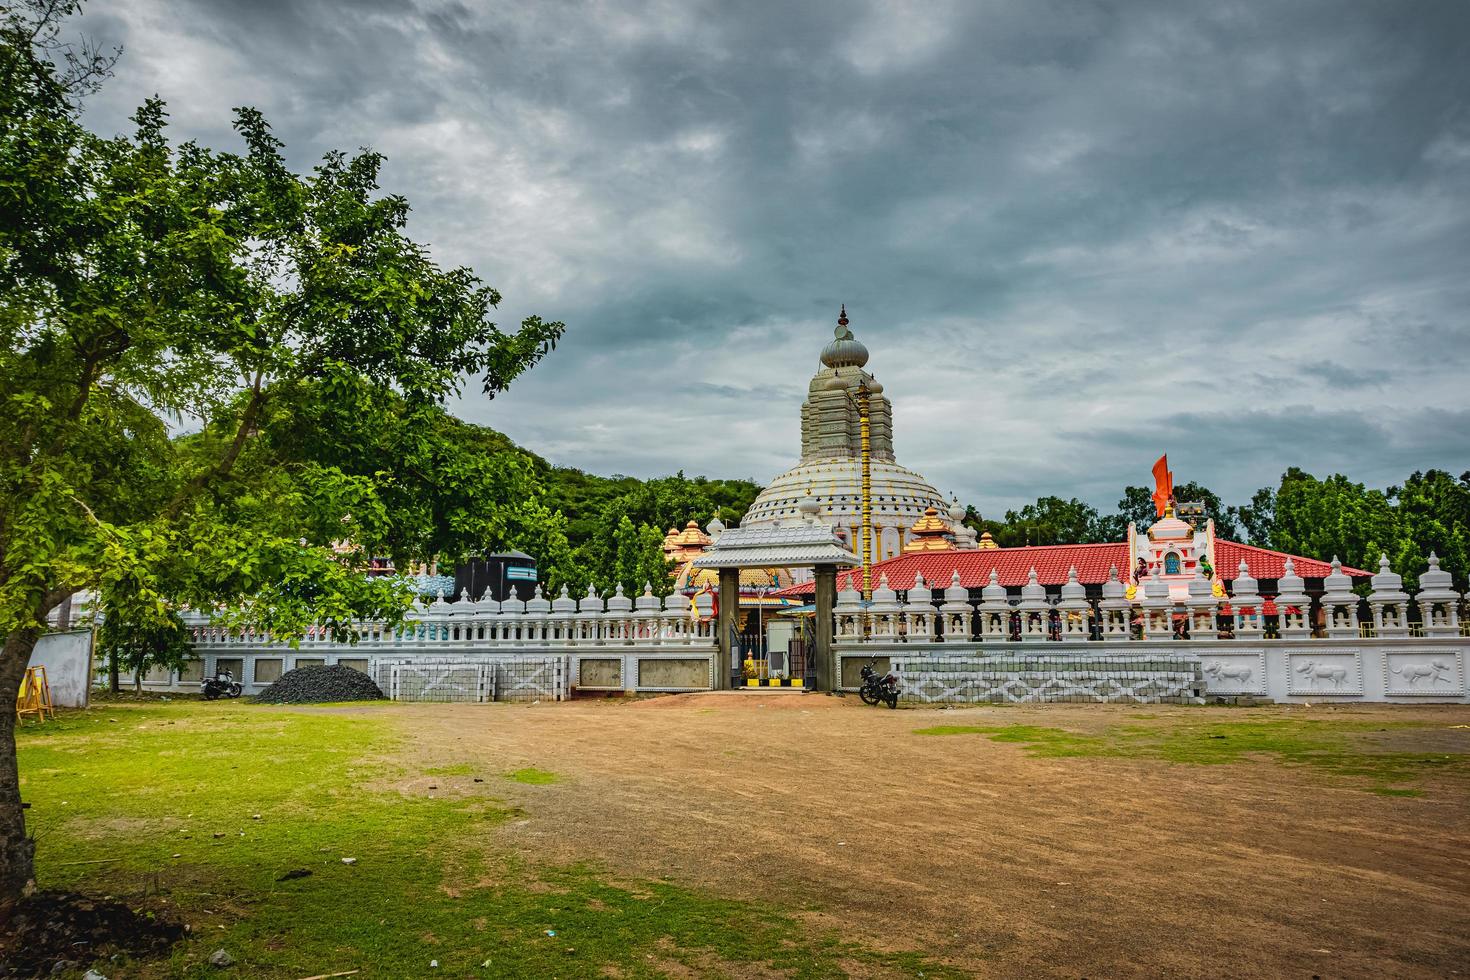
1429	512
1051	520
286	321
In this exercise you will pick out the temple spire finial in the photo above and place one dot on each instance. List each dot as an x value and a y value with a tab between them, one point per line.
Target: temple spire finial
844	350
843	332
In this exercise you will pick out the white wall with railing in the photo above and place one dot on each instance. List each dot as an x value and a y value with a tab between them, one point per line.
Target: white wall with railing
1151	646
948	648
484	650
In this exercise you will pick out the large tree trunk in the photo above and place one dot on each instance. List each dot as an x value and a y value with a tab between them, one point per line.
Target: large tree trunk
17	850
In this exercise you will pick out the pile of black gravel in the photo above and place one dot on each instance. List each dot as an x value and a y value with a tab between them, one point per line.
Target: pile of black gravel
314	685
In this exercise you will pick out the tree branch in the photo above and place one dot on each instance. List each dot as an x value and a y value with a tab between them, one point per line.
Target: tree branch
227	461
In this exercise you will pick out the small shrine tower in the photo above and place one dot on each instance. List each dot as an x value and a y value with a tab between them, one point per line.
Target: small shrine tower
1171	548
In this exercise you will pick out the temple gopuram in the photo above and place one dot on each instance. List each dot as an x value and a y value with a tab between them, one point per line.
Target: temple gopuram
830	467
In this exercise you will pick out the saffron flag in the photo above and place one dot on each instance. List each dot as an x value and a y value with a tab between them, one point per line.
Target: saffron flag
1163	484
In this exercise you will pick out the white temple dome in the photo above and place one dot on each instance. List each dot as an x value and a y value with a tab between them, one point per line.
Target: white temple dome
899	495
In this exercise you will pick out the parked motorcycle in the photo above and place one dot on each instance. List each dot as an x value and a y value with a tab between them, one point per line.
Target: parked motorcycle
222	684
877	688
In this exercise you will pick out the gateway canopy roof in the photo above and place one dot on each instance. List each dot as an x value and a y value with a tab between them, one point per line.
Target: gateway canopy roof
778	546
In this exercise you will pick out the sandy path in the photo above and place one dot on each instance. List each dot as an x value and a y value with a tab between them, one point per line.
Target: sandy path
980	854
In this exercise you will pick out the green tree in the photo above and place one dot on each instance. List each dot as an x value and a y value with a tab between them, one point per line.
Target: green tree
1259	517
278	316
135	644
982	524
1333	517
463	489
660	504
638	558
625	556
1226	518
1051	520
1433	513
653	567
1135	507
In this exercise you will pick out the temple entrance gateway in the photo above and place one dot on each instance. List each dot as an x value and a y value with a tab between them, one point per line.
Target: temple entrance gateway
804	542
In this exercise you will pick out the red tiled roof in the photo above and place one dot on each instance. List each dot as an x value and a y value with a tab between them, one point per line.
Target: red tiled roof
1265	563
1092	561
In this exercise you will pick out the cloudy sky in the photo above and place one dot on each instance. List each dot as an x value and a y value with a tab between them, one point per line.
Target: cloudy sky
1073	235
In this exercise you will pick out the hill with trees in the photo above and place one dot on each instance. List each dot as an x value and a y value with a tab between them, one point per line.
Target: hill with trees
602	531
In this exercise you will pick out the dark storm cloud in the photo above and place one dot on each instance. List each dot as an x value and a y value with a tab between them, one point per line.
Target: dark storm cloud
1072	235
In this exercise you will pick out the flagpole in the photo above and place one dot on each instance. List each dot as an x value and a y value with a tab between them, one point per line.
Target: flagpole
867	459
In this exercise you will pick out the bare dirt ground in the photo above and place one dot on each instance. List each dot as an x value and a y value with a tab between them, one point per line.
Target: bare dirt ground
981	855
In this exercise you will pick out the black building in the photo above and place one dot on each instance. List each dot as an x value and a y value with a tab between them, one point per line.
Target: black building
498	576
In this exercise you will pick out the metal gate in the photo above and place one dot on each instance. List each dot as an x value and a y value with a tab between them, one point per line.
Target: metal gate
441	682
501	679
801	664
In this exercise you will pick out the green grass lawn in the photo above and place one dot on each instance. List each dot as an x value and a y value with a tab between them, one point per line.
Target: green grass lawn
205	808
1346	750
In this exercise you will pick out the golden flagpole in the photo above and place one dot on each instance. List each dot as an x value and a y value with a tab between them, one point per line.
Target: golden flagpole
862	400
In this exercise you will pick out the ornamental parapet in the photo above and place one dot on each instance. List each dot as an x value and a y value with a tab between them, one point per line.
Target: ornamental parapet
920	616
536	623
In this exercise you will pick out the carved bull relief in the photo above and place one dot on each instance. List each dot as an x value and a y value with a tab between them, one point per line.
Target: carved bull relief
1236	672
1324	672
1424	671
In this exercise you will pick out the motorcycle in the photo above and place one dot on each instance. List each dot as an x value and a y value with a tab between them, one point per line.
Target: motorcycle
221	684
875	688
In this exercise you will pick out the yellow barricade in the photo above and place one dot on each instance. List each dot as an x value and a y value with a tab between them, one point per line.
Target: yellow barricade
34	697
